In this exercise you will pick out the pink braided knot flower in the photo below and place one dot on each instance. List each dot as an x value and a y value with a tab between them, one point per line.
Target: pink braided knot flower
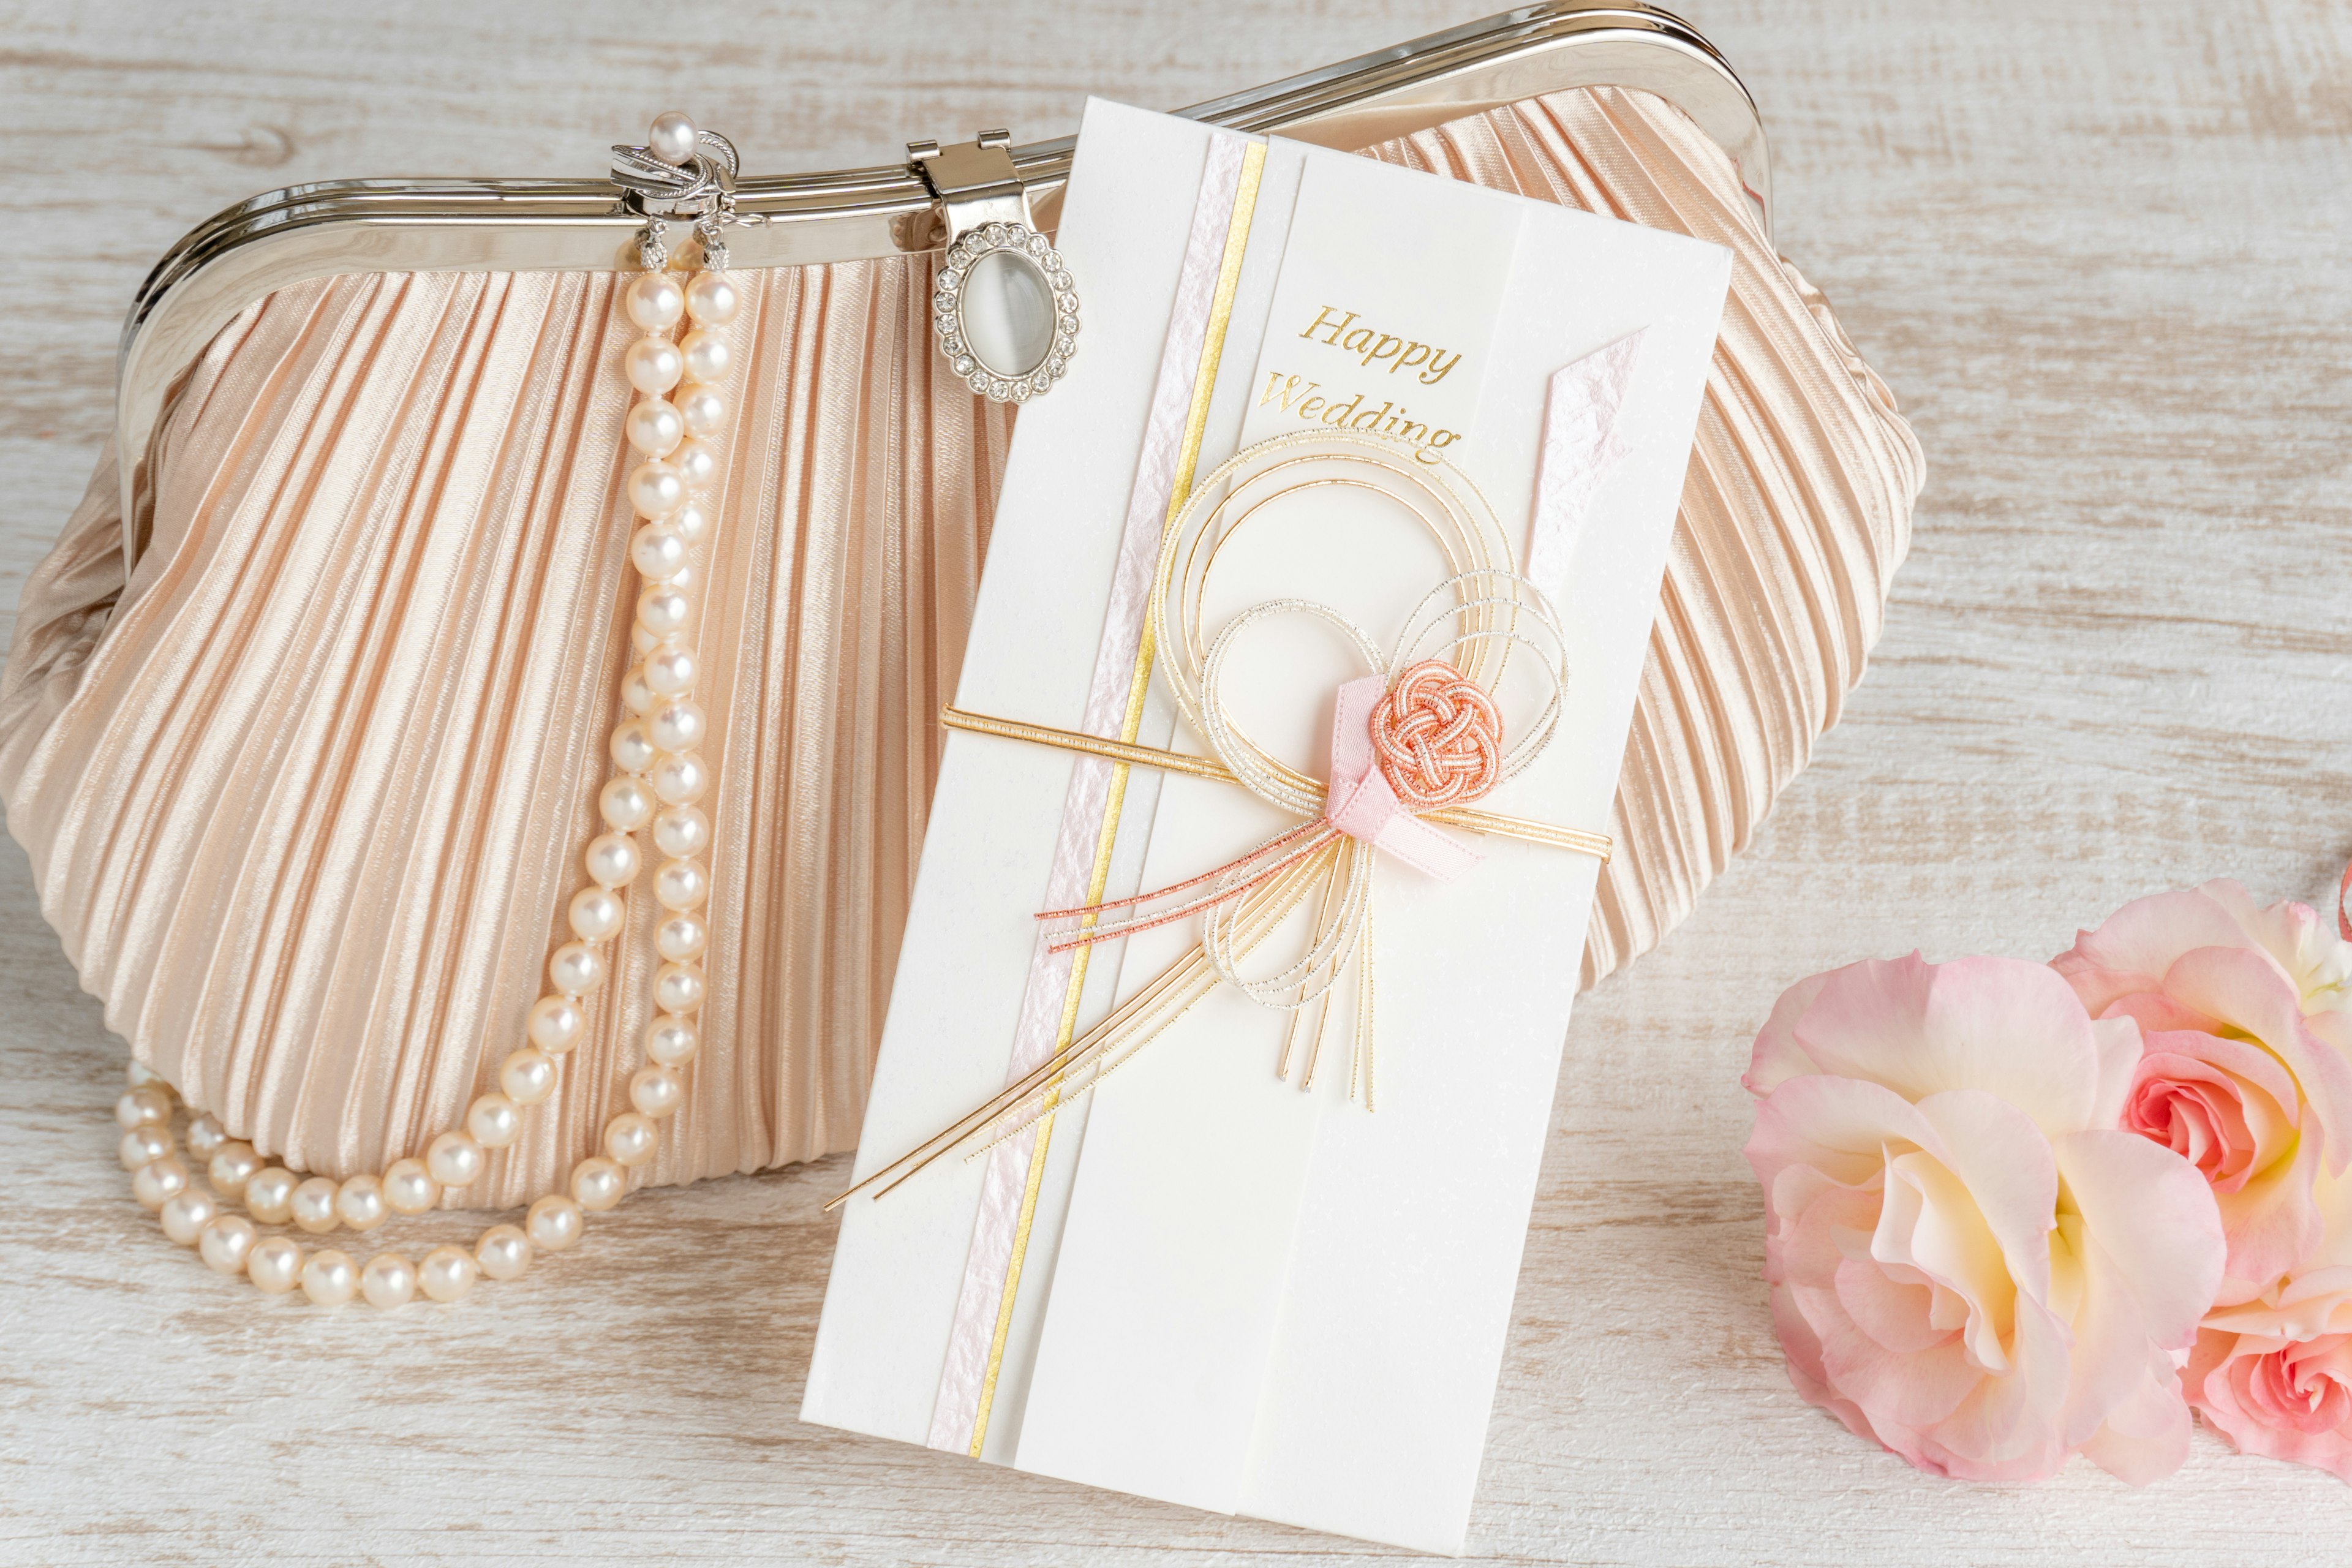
1438	737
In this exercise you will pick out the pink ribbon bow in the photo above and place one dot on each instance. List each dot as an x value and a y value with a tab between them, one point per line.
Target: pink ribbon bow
1440	724
1431	739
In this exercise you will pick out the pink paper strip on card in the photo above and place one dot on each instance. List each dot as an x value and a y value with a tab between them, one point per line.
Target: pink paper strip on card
981	1304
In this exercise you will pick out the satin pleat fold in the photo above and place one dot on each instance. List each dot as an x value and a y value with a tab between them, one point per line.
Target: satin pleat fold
305	797
1796	511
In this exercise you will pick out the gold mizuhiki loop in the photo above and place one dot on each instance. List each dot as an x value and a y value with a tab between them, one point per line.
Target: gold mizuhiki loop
1484	595
1470	818
1440	731
1437	497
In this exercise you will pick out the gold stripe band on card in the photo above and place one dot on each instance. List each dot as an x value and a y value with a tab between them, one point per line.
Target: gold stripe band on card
1204	381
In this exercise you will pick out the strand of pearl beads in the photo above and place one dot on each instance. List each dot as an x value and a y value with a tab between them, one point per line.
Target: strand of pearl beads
659	776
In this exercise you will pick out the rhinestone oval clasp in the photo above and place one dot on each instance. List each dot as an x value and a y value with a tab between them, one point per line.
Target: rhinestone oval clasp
1005	309
1005	312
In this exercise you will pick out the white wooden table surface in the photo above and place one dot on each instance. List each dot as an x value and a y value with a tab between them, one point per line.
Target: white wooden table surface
2102	251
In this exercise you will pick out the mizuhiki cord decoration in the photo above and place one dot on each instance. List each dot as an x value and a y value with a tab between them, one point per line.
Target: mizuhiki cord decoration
1415	741
658	777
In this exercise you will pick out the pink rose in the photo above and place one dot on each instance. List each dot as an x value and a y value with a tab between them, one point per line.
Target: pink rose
2289	1399
2245	1072
1970	1262
2272	1375
2311	1302
2273	1368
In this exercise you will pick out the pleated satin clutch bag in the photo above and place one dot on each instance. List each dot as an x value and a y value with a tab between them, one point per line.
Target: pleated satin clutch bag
325	686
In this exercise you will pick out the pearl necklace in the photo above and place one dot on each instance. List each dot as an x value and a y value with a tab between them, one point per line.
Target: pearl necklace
658	776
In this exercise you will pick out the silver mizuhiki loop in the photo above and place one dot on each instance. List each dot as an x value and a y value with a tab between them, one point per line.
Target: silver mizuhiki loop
1317	968
1216	727
1512	596
1297	984
1486	607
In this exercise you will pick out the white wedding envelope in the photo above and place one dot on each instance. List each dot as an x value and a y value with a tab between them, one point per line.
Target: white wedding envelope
1203	1283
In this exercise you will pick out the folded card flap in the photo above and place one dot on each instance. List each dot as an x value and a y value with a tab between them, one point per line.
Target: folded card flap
1381	1378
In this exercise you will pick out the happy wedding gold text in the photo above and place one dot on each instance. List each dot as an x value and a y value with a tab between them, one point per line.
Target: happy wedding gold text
1308	401
1338	329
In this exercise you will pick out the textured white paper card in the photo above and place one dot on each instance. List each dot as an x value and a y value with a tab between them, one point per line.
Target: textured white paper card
1381	322
1228	1291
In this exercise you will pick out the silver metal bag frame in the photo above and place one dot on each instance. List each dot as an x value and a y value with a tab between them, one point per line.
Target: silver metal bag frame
339	227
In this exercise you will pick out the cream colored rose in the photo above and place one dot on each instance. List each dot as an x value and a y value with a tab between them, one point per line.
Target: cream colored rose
1969	1261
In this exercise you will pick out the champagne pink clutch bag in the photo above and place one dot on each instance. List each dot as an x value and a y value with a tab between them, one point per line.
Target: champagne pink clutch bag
323	691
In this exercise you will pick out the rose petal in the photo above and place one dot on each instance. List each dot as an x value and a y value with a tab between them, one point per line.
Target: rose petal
2313	1298
2272	1224
1777	1056
2327	1309
1803	1350
2007	1430
2332	1028
2146	1437
2297	937
2212	1350
2005	1164
1810	1250
1794	1190
2154	1218
1839	1126
2118	1042
2121	1380
1895	1314
2111	1345
2133	947
1999	1026
2246	990
1931	1233
2156	1013
1892	1388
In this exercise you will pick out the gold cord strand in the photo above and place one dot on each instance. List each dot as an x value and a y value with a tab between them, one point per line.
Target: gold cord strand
1576	839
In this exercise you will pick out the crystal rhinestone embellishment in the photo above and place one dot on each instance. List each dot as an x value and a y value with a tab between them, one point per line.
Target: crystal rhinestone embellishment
1004	311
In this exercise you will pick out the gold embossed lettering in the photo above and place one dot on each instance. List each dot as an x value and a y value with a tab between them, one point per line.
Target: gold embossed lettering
1336	327
1280	388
